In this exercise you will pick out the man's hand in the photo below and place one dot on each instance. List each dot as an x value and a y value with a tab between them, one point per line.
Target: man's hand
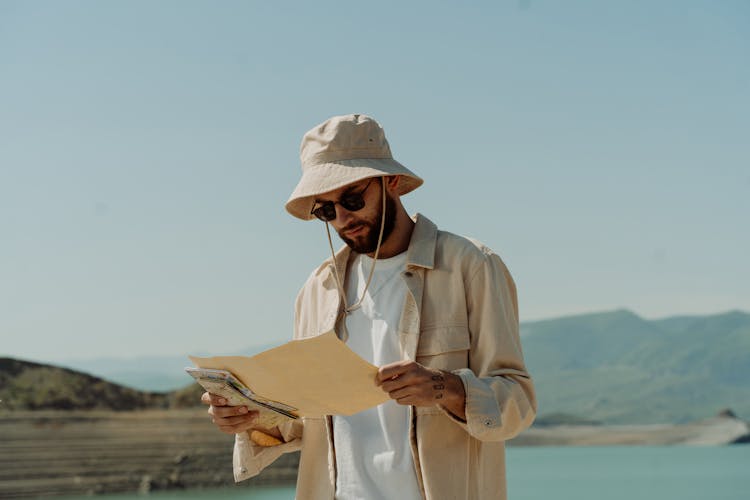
410	383
233	419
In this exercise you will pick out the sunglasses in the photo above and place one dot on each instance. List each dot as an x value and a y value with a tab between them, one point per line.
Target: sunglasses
352	202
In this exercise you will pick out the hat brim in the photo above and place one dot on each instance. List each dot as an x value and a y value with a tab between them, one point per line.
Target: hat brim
319	179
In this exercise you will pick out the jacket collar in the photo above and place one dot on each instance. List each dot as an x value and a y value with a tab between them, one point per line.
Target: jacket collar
421	251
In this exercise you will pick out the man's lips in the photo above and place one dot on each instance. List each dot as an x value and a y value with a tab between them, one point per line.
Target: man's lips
353	231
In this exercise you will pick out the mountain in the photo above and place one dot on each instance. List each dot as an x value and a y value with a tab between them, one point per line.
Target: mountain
616	367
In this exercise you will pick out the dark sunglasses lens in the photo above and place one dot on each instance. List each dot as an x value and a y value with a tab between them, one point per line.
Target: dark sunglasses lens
353	202
326	212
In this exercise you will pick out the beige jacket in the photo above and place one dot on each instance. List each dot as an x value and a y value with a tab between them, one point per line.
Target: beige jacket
460	315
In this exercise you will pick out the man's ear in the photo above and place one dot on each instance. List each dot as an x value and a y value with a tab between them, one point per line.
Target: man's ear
392	182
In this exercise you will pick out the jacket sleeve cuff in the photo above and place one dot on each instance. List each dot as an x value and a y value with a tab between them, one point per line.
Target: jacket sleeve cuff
481	407
461	422
249	459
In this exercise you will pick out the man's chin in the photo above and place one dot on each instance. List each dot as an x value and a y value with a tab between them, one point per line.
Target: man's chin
360	245
360	248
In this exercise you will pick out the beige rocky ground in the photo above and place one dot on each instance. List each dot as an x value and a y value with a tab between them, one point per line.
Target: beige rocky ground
45	453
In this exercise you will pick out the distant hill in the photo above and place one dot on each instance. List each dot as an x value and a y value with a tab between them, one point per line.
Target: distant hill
616	367
32	386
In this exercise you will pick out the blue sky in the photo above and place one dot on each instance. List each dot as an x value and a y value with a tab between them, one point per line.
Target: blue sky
147	150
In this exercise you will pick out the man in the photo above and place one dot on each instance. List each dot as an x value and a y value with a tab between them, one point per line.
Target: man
435	311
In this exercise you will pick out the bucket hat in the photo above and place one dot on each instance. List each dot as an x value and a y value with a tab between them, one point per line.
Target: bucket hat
340	151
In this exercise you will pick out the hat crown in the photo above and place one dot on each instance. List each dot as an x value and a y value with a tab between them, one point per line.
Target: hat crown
347	137
341	151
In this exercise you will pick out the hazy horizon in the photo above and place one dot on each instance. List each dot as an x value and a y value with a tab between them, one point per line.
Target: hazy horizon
257	347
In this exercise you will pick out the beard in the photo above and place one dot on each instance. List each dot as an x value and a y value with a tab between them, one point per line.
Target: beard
367	242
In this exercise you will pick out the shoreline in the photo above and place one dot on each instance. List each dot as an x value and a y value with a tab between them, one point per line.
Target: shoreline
55	453
716	431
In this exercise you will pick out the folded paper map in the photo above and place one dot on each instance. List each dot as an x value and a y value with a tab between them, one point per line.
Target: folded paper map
317	376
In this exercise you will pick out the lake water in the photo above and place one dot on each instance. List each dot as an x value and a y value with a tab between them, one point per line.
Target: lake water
584	473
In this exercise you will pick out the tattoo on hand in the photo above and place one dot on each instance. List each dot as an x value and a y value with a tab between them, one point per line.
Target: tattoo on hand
438	387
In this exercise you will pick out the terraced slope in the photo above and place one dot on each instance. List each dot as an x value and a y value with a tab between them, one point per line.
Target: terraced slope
48	453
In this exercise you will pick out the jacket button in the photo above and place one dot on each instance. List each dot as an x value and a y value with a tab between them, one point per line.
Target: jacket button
243	470
488	422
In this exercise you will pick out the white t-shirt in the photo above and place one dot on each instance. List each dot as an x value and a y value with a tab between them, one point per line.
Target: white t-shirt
373	455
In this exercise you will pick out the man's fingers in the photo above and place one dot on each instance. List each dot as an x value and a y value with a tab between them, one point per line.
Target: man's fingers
235	424
391	385
236	428
229	419
414	376
213	399
399	394
408	401
393	370
234	421
229	411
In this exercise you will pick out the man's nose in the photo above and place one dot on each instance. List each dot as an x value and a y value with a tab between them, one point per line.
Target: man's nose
343	216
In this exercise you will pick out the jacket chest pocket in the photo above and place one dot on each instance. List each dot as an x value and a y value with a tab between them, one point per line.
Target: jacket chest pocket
444	347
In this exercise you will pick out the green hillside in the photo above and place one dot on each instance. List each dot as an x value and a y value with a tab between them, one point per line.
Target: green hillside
616	367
